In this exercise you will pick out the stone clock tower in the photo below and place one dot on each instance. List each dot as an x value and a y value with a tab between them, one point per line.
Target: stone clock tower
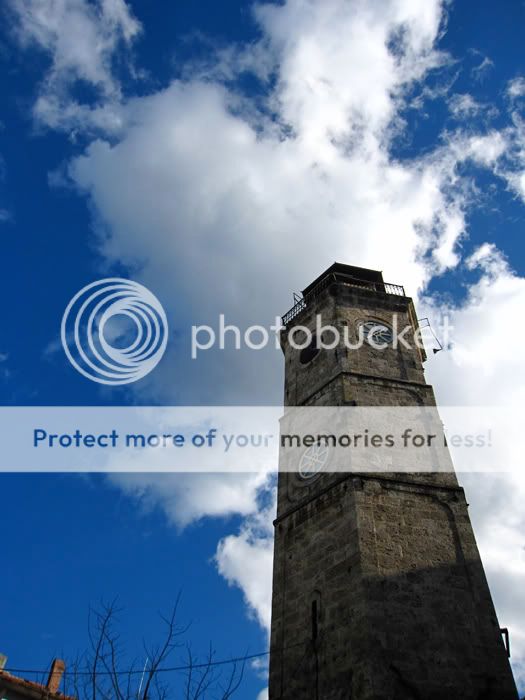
378	588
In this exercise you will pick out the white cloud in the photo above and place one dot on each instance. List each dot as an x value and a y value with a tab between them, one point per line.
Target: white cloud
516	87
56	112
481	368
81	39
464	105
486	149
479	71
186	498
483	149
227	207
245	560
484	358
331	53
517	183
513	169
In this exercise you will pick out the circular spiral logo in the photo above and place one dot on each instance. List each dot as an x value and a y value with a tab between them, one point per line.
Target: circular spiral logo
114	331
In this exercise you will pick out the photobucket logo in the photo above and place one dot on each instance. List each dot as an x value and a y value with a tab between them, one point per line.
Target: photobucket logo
114	331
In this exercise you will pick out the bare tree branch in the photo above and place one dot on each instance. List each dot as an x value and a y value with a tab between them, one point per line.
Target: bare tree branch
99	674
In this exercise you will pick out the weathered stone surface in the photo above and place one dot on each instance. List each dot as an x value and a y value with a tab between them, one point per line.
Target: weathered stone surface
378	588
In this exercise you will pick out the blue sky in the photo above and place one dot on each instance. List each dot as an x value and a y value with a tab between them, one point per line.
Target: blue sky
224	154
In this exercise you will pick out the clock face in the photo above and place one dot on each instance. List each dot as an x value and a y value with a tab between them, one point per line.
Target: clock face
312	461
376	333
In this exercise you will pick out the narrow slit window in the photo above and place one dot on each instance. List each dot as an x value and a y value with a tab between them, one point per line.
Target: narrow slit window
315	628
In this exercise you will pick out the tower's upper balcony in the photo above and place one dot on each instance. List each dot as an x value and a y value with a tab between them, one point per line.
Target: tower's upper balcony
343	274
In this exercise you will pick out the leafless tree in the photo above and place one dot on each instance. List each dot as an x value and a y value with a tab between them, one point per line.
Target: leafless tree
104	673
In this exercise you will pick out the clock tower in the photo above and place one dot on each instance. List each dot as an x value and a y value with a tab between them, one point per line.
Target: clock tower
378	588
